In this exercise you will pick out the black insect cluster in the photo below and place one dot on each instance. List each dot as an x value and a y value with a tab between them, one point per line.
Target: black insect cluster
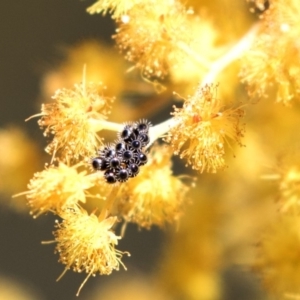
122	159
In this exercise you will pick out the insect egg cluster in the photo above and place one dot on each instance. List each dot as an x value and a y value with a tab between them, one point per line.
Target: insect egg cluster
122	160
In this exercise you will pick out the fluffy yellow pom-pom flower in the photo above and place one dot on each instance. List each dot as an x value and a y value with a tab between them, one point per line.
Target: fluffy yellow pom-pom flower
204	127
155	196
85	243
152	36
267	68
56	188
70	120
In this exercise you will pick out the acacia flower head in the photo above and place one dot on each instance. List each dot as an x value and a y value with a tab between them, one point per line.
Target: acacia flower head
56	188
203	128
87	244
70	120
151	33
267	68
155	196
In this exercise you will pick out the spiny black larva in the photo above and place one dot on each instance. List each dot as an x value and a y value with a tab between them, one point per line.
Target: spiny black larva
115	162
122	175
107	151
110	176
141	159
143	126
133	170
99	164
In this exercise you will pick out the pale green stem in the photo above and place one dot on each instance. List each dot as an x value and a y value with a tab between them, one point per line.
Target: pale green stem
233	54
99	125
194	55
159	130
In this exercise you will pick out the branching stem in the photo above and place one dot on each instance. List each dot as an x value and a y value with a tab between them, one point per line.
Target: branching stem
215	69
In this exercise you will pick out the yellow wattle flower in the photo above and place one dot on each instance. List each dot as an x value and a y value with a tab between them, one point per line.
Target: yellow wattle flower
86	244
69	119
56	188
204	128
155	196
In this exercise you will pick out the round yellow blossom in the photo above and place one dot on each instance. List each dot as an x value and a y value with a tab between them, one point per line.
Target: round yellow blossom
153	36
155	196
267	68
86	244
203	127
278	257
56	188
70	120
